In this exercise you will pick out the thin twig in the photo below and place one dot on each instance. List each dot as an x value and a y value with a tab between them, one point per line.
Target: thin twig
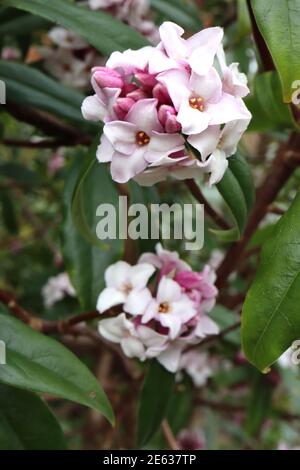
169	436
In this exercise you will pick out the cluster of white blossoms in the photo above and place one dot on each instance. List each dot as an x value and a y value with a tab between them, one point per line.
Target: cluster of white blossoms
163	304
56	288
71	58
174	109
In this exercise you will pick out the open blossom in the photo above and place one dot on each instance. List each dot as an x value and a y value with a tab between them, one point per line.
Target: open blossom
197	365
176	109
159	316
56	289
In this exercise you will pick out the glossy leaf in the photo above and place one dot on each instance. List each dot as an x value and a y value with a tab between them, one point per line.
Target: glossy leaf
279	23
101	30
22	25
180	11
41	364
266	105
85	259
270	318
26	423
155	397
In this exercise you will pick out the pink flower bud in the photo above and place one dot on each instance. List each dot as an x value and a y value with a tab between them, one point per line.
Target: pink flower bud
167	117
137	95
107	78
146	80
161	94
122	106
188	279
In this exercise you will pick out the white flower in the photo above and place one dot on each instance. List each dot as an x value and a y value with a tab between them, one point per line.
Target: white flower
56	289
196	365
121	279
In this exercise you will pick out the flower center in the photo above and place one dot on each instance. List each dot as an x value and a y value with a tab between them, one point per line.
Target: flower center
196	102
142	138
164	307
127	288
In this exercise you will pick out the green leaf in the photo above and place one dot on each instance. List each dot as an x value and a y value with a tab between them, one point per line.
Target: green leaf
244	23
266	105
23	25
26	422
259	404
181	12
8	211
270	318
85	260
279	23
41	364
155	397
31	87
101	30
237	190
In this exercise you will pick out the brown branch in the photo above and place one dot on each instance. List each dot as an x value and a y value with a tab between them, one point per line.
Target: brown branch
287	159
221	335
197	193
47	123
169	436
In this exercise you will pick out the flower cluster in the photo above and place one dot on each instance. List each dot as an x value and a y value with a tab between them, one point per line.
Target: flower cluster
176	108
164	306
56	288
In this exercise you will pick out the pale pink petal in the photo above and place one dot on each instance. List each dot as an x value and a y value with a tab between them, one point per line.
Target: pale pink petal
108	298
93	109
130	60
172	42
105	150
160	62
117	273
151	176
133	347
170	358
208	87
217	165
143	114
192	120
168	290
122	136
113	329
207	141
162	145
231	135
124	167
140	275
137	302
204	46
227	109
177	84
206	326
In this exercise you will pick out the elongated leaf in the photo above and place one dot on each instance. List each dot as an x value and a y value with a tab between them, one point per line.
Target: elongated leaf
266	105
26	423
270	318
237	190
180	11
22	25
31	87
86	260
154	401
100	29
259	404
41	364
279	23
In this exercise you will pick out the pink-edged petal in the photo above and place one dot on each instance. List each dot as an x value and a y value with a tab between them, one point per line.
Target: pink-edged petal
122	136
133	347
162	145
168	290
203	47
137	302
93	109
108	298
143	114
207	141
170	358
192	120
130	60
227	109
160	62
177	84
140	275
105	150
113	329
124	167
208	86
172	42
117	273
